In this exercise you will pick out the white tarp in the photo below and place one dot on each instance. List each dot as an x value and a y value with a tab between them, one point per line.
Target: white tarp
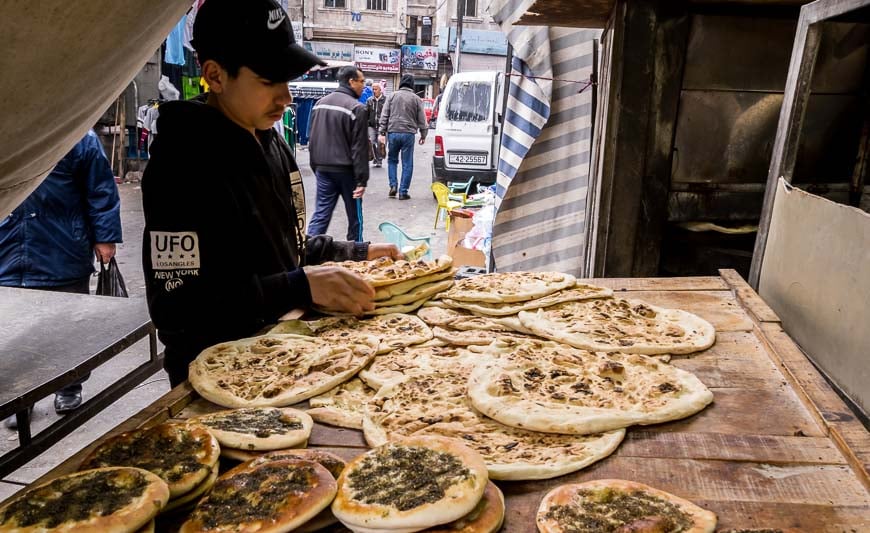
61	67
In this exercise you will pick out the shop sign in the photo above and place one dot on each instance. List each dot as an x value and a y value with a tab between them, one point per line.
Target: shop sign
377	59
474	41
334	51
419	57
297	31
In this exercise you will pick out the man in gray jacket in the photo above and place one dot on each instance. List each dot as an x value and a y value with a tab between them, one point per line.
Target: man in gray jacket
339	153
402	116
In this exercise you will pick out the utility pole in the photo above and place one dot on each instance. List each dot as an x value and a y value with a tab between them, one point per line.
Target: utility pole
460	12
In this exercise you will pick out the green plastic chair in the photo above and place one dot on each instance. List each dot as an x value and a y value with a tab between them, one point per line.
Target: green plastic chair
459	190
397	236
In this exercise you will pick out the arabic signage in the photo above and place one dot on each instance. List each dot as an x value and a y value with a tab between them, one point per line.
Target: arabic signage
377	59
419	57
334	51
474	41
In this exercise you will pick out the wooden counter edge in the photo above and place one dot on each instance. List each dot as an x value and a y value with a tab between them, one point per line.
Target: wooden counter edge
752	303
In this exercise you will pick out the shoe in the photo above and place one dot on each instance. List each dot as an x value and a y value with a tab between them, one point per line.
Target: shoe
377	165
404	197
67	402
11	422
392	192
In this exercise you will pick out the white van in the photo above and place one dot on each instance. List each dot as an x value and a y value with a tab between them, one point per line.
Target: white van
468	128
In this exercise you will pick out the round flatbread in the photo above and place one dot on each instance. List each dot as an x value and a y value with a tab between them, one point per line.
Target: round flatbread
578	292
189	499
147	528
619	506
460	319
554	388
617	324
386	271
418	482
330	461
487	516
277	370
343	406
471	337
505	287
414	361
246	455
258	428
271	497
403	287
437	404
102	500
394	330
423	292
181	454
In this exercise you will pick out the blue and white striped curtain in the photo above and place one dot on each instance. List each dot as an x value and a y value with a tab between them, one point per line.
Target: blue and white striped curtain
543	169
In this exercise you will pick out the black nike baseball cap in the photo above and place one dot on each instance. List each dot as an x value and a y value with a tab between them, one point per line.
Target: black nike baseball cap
251	33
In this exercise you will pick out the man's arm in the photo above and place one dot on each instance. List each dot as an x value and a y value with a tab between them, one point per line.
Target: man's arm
101	196
385	117
421	120
359	146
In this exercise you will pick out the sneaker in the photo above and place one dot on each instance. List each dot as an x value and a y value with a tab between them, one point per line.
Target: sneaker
377	165
392	192
404	197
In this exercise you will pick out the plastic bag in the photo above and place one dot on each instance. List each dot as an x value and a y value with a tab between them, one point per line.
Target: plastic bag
110	282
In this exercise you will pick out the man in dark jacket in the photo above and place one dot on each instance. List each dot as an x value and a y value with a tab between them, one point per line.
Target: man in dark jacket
339	153
224	249
50	240
403	115
375	106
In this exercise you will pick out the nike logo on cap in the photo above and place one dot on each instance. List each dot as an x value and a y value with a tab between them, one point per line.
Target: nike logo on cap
276	17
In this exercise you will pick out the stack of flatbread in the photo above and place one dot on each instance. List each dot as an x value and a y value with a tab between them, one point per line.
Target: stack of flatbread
393	330
417	483
401	286
250	432
184	456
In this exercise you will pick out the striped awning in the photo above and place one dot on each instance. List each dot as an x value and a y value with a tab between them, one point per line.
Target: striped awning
546	141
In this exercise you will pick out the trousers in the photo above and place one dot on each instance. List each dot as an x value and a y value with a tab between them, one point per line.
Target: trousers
331	186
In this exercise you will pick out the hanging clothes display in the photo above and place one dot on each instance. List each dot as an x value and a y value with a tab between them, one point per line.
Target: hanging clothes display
175	44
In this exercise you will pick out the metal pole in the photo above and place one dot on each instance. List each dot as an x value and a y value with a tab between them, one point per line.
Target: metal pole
460	12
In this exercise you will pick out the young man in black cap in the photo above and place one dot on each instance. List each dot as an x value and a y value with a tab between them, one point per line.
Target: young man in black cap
402	116
224	248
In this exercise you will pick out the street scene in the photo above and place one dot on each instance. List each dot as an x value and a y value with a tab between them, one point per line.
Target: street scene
516	266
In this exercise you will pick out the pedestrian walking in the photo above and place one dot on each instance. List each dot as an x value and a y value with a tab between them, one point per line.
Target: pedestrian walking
375	106
50	240
402	116
339	153
224	249
367	92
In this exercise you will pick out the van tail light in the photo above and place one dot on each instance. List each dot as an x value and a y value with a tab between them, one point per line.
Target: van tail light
439	146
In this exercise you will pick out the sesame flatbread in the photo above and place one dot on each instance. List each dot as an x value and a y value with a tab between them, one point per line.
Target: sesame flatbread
618	505
505	287
617	324
554	388
422	292
436	403
579	291
415	360
472	337
342	406
393	330
388	291
277	370
386	271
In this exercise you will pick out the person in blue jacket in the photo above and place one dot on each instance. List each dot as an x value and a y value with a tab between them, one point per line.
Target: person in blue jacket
367	92
50	240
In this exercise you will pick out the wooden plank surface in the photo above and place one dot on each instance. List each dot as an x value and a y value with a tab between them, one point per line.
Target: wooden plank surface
768	453
751	301
701	283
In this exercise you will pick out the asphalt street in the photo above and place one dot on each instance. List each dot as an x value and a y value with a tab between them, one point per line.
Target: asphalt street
416	216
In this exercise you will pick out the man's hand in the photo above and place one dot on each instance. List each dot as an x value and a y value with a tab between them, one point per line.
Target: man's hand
339	289
382	139
359	192
422	140
104	251
384	250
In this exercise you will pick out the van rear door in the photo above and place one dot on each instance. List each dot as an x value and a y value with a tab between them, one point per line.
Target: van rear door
467	123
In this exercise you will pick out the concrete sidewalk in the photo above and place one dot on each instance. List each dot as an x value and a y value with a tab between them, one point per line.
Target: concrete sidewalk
415	216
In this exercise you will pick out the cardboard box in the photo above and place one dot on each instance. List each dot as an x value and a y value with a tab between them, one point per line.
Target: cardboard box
462	256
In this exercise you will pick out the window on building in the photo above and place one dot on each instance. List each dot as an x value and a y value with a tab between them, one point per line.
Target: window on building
340	4
470	8
376	5
411	30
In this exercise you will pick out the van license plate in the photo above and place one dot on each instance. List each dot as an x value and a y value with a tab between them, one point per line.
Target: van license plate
466	159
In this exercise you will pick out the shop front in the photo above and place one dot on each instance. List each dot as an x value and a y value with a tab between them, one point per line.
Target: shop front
422	62
379	65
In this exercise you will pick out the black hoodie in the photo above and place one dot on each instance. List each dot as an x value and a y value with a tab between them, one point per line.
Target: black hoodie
221	249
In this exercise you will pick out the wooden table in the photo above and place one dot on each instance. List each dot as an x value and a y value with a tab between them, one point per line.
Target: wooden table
51	339
777	449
